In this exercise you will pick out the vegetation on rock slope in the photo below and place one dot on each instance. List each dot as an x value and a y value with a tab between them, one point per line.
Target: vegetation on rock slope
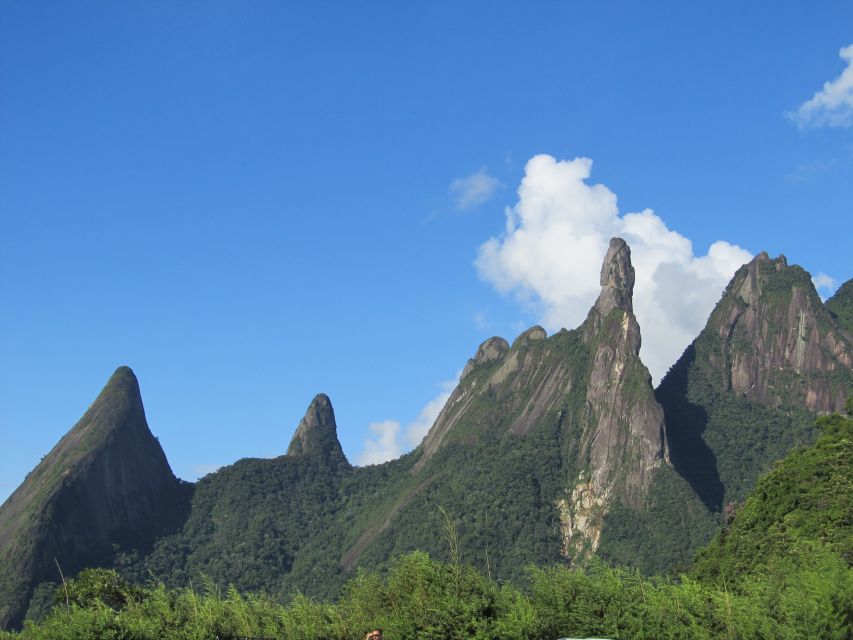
781	571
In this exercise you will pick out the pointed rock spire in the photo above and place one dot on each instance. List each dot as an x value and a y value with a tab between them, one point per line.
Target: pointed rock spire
617	279
317	433
106	482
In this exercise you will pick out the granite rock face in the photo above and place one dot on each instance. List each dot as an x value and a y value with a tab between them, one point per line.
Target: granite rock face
747	390
776	342
624	441
317	434
592	382
107	482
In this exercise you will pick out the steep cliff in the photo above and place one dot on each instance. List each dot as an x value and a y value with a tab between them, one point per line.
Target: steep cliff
317	434
106	483
744	393
588	388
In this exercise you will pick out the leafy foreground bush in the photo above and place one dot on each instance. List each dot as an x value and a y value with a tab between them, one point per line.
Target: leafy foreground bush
426	599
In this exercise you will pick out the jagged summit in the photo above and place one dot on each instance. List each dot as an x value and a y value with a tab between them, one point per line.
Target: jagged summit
769	351
317	433
590	385
617	279
533	334
778	344
490	350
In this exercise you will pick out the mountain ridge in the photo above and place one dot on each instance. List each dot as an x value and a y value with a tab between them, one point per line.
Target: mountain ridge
549	450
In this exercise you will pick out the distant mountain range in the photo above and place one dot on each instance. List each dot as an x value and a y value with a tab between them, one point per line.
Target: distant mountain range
553	449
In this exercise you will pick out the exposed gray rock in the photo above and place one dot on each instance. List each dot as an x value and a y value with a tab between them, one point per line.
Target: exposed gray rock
317	433
777	343
490	350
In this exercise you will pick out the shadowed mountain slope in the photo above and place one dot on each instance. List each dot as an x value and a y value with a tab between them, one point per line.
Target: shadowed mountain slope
746	391
106	484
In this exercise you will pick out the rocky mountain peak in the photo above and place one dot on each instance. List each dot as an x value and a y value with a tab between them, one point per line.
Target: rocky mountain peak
771	325
491	349
533	334
617	279
317	433
757	271
106	482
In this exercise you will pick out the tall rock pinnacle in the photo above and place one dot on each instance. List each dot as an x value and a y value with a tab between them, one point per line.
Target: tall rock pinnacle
625	442
617	279
317	433
591	385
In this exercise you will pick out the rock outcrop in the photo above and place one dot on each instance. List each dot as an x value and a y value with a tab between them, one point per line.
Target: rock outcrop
317	434
592	384
624	441
746	391
776	343
106	483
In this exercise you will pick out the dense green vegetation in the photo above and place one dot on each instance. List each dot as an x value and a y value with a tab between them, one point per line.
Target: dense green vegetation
800	511
782	569
721	442
840	306
663	536
423	598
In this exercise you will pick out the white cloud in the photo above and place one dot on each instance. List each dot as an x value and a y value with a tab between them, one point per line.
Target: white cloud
473	190
824	282
556	237
390	440
384	446
832	106
418	428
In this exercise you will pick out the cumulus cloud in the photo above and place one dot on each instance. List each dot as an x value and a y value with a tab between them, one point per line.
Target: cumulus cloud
824	284
384	445
390	440
472	191
555	239
832	106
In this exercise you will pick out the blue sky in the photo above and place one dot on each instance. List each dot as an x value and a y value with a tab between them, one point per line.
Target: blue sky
251	203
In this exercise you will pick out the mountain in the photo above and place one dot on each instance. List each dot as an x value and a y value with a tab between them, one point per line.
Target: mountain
538	442
550	450
257	522
746	391
840	306
106	485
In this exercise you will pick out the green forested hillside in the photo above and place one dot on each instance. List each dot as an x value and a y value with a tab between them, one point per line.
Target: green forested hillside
799	513
781	570
840	305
